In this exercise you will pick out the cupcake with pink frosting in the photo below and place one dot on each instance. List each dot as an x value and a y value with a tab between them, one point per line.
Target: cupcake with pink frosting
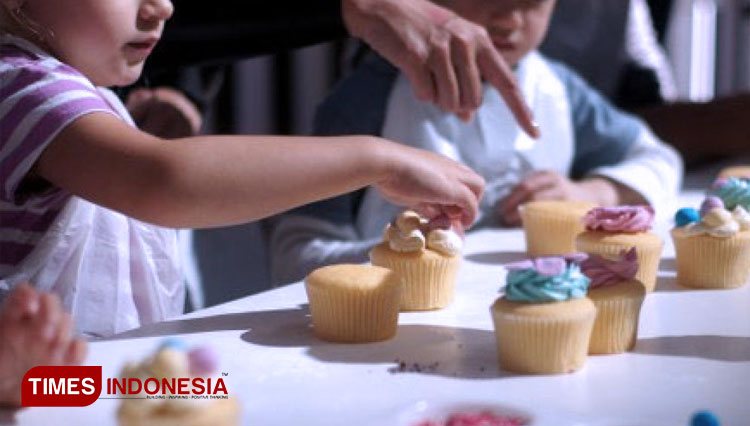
426	255
611	230
618	297
712	245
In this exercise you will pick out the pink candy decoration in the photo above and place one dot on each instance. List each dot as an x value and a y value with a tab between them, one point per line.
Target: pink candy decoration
548	266
619	219
444	222
604	272
202	361
711	202
718	183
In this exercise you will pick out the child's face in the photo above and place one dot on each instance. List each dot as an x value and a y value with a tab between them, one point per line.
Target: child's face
107	40
516	27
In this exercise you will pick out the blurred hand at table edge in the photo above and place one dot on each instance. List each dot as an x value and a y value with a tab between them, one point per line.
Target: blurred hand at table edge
551	185
427	42
432	184
34	330
164	112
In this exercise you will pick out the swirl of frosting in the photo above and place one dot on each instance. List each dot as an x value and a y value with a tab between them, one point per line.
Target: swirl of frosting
445	241
407	234
604	272
550	279
717	223
619	219
733	191
742	217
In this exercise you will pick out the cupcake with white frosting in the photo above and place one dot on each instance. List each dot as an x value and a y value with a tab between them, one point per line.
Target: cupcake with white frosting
714	251
543	322
173	360
426	255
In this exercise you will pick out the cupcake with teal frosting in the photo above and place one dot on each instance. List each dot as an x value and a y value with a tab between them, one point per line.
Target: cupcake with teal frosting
732	191
543	322
712	245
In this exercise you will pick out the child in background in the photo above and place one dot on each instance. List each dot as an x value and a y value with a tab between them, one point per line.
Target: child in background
89	203
588	150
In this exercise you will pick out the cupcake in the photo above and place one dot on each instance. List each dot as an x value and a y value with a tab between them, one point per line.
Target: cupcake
543	322
735	171
426	255
618	297
713	251
610	230
733	192
353	303
551	226
170	363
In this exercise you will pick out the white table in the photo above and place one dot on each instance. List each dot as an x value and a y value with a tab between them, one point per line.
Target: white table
693	353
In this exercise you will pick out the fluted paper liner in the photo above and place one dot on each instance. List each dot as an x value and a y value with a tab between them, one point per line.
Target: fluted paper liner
543	338
618	308
350	313
648	248
704	261
550	227
429	277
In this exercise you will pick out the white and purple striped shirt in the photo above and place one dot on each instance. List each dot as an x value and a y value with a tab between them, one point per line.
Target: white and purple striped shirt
39	96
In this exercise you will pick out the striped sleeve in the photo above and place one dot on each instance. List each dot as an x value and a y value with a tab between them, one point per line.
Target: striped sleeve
38	98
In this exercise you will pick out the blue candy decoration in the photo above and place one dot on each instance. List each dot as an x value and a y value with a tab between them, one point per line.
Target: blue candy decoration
686	215
704	418
173	343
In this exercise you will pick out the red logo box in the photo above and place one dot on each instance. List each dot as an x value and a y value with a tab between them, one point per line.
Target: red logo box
61	386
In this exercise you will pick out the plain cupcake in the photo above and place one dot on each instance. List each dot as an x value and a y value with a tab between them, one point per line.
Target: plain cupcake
426	255
551	226
712	246
618	297
354	303
544	320
610	230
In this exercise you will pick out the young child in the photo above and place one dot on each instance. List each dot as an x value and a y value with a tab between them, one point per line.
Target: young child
588	149
81	188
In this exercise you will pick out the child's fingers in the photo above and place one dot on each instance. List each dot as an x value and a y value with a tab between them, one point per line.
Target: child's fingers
22	302
76	352
48	317
61	341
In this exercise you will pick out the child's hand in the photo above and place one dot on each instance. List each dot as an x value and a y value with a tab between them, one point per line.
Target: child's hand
550	185
433	184
164	112
34	330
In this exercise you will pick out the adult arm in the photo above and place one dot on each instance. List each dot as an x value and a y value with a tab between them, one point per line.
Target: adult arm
445	56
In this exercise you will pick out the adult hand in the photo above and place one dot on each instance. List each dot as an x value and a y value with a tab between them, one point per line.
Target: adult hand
432	184
444	56
550	185
164	112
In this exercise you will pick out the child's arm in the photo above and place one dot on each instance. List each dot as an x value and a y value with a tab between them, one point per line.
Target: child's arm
218	180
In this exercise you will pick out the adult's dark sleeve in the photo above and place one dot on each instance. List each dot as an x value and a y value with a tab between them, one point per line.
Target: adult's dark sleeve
222	31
